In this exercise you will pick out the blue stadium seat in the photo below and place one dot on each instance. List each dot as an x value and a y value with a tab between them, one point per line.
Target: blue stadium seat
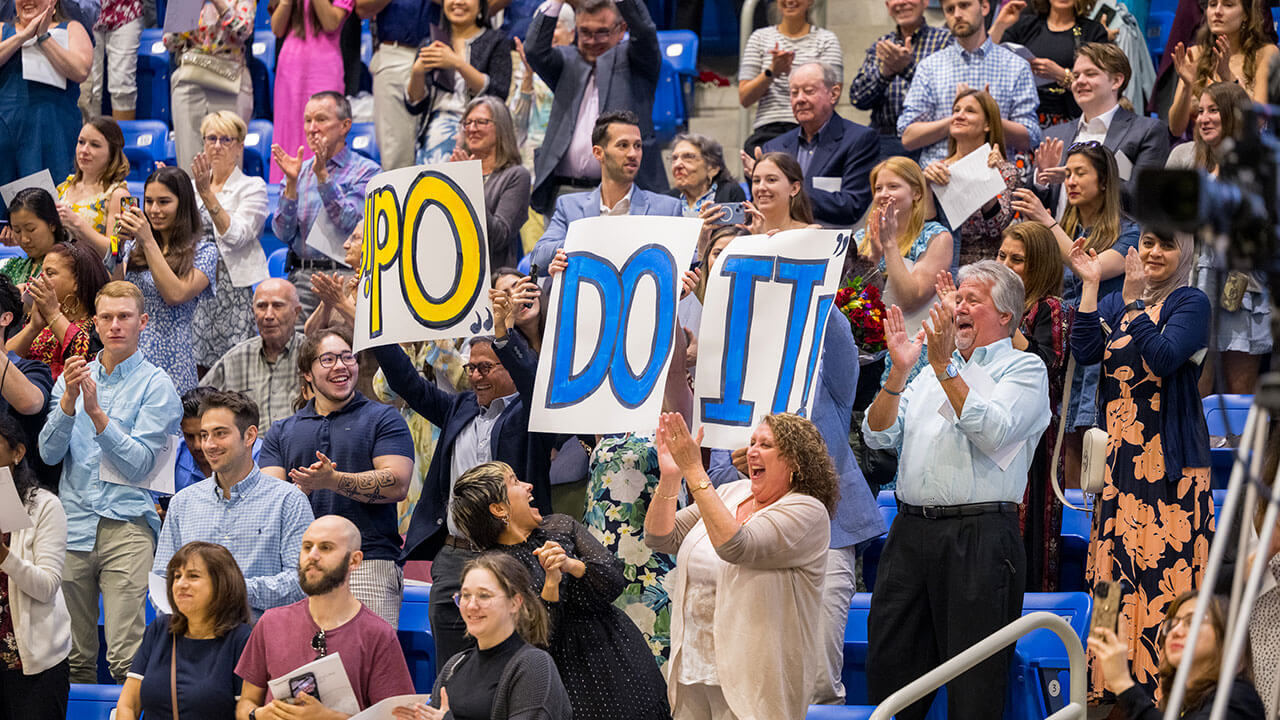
269	239
888	506
257	148
137	188
92	702
363	140
153	77
262	69
415	637
668	104
854	673
145	144
680	48
1158	24
276	262
1221	459
262	18
1038	676
839	712
1074	546
8	251
366	57
525	264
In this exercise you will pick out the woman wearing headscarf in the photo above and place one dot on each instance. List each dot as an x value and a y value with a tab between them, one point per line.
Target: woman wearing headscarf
1154	518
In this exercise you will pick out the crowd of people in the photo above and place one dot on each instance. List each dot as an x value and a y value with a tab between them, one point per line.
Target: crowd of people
606	576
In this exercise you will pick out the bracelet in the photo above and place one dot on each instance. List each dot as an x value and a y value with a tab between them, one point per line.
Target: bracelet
667	497
895	394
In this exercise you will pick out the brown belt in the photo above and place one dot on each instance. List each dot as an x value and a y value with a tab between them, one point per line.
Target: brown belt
454	541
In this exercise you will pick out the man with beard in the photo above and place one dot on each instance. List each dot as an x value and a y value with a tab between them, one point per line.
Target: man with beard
951	572
971	61
329	621
353	457
259	520
618	148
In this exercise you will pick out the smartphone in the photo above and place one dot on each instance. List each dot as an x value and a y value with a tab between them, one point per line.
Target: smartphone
128	201
305	683
1106	606
533	272
733	214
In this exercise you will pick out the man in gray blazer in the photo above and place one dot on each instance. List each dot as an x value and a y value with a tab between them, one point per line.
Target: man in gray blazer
1099	77
603	72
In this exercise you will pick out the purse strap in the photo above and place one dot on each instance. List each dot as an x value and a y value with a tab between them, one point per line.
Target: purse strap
173	677
1062	429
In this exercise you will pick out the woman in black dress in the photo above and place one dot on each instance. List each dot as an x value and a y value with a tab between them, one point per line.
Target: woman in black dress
607	668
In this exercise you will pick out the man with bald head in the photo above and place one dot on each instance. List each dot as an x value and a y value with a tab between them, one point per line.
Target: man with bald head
265	367
329	621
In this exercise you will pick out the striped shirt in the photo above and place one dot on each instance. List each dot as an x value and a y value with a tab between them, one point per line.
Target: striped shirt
820	45
884	96
261	524
933	89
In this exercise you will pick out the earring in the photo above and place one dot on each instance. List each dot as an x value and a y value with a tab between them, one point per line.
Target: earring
505	521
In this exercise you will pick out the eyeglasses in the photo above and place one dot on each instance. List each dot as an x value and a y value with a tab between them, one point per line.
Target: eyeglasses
482	369
219	140
328	360
598	35
476	123
1083	146
318	644
1168	626
480	599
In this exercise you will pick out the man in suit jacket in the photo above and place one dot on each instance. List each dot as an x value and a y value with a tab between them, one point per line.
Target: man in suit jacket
602	73
1099	77
489	422
836	155
617	147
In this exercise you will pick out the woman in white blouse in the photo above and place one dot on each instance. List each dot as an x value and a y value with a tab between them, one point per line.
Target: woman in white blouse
35	628
233	207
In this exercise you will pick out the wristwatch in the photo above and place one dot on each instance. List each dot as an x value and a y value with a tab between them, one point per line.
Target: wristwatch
950	372
768	72
253	714
43	36
1136	305
700	486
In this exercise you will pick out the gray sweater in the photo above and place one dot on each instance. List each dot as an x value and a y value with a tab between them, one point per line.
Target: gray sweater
530	688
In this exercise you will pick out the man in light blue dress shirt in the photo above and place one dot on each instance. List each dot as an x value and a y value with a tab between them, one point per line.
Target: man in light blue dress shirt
258	518
953	565
115	412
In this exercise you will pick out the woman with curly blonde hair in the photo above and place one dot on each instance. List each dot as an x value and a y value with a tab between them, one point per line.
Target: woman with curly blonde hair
747	625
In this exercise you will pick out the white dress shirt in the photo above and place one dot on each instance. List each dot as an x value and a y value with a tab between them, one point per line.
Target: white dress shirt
245	200
474	446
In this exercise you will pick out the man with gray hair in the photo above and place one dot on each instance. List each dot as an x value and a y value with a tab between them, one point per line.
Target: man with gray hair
835	154
965	434
325	192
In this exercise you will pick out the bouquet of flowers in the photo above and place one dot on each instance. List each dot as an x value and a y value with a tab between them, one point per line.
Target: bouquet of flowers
861	303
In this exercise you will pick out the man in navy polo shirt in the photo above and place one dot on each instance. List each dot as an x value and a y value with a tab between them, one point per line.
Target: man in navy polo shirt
353	457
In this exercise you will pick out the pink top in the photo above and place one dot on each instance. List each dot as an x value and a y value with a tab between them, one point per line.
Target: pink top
371	655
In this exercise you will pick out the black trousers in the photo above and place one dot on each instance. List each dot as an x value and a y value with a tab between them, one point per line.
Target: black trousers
942	586
447	627
42	696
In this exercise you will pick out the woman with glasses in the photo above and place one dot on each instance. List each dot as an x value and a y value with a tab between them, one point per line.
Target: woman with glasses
198	645
1154	519
1134	702
604	661
488	135
507	674
165	257
462	59
233	209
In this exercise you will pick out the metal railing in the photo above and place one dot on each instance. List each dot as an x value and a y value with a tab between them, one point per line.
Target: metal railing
988	646
745	21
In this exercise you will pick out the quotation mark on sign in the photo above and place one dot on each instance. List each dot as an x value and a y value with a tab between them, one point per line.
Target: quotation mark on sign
486	324
842	244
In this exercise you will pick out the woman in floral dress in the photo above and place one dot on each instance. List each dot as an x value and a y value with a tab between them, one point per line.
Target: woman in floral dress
1154	518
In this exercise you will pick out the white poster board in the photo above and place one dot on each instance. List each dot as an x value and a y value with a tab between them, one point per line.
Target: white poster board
385	710
973	184
763	322
160	479
324	679
13	513
182	15
611	324
42	180
425	273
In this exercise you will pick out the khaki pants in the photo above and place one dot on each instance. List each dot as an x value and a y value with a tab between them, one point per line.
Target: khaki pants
116	51
396	128
117	569
190	103
701	702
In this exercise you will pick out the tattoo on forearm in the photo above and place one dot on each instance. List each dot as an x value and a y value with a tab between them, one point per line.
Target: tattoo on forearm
366	486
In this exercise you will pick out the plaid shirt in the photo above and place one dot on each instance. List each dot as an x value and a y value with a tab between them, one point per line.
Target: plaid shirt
261	524
933	90
342	198
884	96
274	386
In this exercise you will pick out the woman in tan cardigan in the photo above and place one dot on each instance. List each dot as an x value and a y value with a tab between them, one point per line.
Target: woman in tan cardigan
746	628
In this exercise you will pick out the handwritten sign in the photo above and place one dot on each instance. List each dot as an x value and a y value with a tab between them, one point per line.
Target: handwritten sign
425	272
763	321
611	324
